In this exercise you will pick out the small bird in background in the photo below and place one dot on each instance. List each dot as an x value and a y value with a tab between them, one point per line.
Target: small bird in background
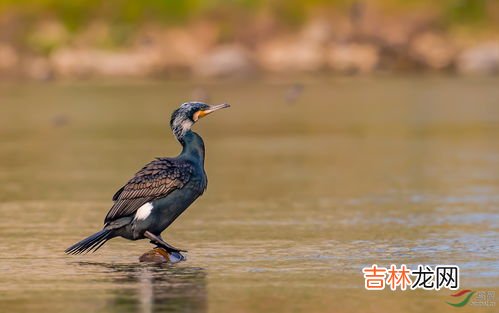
293	93
60	120
149	202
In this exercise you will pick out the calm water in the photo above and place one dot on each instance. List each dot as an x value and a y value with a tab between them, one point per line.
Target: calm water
301	195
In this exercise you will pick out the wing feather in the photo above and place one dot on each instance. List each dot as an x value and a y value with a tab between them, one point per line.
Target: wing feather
155	180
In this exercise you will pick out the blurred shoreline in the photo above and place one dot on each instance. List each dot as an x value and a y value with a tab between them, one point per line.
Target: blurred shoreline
361	40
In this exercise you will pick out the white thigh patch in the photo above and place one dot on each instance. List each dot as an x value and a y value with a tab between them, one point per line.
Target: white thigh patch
144	211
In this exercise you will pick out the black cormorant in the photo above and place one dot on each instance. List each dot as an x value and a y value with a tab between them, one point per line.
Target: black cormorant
160	191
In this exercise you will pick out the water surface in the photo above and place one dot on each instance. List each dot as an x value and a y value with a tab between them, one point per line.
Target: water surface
301	195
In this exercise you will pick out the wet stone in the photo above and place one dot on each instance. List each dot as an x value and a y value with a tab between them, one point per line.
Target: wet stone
160	255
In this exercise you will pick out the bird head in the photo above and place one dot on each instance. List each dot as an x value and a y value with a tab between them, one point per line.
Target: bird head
189	113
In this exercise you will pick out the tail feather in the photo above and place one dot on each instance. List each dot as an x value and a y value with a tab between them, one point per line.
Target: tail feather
92	243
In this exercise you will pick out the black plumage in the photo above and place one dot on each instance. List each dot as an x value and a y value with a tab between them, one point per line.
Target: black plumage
155	180
158	193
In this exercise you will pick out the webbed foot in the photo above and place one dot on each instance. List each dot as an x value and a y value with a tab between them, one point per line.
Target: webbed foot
157	240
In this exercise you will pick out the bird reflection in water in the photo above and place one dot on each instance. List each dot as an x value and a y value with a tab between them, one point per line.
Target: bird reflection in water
156	288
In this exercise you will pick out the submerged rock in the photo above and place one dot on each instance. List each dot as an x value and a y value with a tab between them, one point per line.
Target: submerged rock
160	255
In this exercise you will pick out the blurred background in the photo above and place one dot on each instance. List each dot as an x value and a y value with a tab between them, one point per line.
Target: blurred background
53	39
359	133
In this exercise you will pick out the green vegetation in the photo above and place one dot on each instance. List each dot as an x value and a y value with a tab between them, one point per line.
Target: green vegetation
76	13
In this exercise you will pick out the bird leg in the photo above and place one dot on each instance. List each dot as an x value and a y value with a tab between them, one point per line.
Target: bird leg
157	240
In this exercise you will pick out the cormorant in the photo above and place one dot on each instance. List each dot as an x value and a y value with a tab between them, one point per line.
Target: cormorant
160	191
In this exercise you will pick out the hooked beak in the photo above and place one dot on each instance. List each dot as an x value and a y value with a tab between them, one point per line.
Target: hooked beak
202	113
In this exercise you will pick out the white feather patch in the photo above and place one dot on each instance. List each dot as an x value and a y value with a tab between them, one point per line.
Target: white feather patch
181	125
144	211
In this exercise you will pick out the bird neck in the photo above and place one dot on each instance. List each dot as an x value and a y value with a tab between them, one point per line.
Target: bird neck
192	146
